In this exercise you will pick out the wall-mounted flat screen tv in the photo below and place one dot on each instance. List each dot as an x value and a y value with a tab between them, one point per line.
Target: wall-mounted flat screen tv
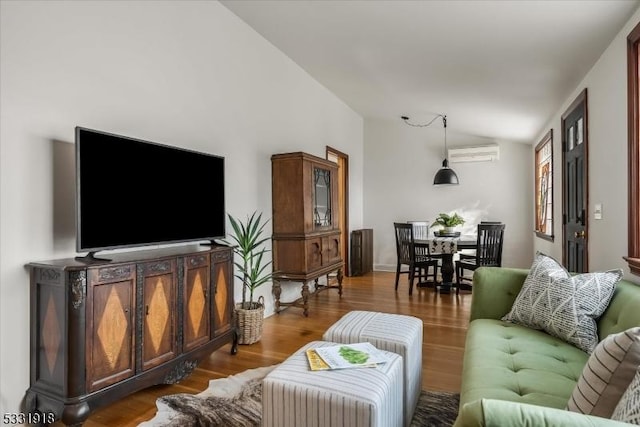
131	192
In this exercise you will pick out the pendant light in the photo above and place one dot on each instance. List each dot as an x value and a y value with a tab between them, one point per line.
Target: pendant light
446	175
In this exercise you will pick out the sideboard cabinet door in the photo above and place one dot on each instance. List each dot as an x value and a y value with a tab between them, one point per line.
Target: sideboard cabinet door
159	284
331	249
111	308
222	282
196	300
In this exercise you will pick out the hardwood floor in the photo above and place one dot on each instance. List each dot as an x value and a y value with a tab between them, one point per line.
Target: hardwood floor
445	324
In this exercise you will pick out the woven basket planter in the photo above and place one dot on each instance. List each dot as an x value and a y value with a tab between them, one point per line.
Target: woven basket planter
249	322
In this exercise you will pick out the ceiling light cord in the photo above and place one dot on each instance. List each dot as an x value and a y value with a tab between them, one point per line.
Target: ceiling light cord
445	175
424	125
444	122
416	125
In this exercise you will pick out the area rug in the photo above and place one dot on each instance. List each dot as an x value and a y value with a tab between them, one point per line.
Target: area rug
236	401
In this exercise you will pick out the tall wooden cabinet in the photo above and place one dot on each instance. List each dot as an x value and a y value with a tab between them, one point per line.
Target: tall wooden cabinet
102	331
306	231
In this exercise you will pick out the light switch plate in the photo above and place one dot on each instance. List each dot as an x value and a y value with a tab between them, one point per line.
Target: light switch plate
597	212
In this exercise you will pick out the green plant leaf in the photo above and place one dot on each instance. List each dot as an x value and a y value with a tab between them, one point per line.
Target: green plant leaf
250	268
446	220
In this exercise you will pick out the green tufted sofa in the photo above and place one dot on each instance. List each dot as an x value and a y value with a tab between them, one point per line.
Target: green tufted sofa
514	375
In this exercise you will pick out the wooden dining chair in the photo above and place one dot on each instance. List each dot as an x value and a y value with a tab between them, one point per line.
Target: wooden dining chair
421	230
416	257
488	252
471	253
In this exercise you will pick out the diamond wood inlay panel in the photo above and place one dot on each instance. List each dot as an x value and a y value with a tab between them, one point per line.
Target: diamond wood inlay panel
51	338
221	297
197	305
158	313
112	327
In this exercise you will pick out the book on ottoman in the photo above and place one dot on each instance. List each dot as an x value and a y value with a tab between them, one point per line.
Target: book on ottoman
345	356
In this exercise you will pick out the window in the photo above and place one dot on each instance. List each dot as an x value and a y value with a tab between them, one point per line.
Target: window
544	187
633	57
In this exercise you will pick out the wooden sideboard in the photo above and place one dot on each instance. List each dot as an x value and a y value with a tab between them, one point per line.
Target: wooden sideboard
101	331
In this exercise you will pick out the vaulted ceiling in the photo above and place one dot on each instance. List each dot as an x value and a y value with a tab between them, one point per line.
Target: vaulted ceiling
498	69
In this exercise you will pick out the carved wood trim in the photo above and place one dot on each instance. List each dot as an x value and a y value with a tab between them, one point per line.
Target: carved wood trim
157	267
139	326
115	273
633	100
50	276
78	280
220	256
197	261
180	305
180	371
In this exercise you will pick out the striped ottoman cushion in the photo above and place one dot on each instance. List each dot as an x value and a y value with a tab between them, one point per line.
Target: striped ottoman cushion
392	332
293	395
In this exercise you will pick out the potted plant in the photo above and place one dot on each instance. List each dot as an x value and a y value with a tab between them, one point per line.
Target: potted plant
250	269
448	222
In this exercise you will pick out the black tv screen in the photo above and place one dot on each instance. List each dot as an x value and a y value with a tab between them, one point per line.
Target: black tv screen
133	193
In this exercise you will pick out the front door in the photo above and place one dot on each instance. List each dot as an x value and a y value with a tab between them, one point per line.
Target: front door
575	185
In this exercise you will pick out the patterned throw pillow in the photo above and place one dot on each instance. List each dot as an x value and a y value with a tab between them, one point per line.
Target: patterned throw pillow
562	305
607	374
628	409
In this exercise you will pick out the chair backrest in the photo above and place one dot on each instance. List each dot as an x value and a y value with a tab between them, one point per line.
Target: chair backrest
404	242
490	240
420	229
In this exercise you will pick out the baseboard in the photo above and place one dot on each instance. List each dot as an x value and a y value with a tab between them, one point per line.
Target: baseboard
385	267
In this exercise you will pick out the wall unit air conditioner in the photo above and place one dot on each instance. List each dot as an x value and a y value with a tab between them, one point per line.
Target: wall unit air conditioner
484	153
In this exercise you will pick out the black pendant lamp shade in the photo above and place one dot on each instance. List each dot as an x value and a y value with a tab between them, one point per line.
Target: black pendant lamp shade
445	175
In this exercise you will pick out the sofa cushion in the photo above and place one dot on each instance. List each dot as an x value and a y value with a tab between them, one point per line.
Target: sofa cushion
506	361
607	374
622	313
563	305
500	413
628	409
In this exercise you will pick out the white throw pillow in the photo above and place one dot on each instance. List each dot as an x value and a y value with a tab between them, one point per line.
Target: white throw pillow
563	305
607	374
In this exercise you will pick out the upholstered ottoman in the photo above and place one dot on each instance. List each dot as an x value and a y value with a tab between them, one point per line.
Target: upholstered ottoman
392	332
295	396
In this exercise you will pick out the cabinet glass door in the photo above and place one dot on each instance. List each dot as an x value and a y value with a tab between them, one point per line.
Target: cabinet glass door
321	198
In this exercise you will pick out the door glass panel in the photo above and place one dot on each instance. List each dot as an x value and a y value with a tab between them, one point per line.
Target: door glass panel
322	197
570	139
579	131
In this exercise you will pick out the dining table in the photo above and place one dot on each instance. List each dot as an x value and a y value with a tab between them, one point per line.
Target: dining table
445	247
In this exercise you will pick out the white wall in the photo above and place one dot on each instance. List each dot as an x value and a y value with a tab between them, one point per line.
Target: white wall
189	74
400	163
606	85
